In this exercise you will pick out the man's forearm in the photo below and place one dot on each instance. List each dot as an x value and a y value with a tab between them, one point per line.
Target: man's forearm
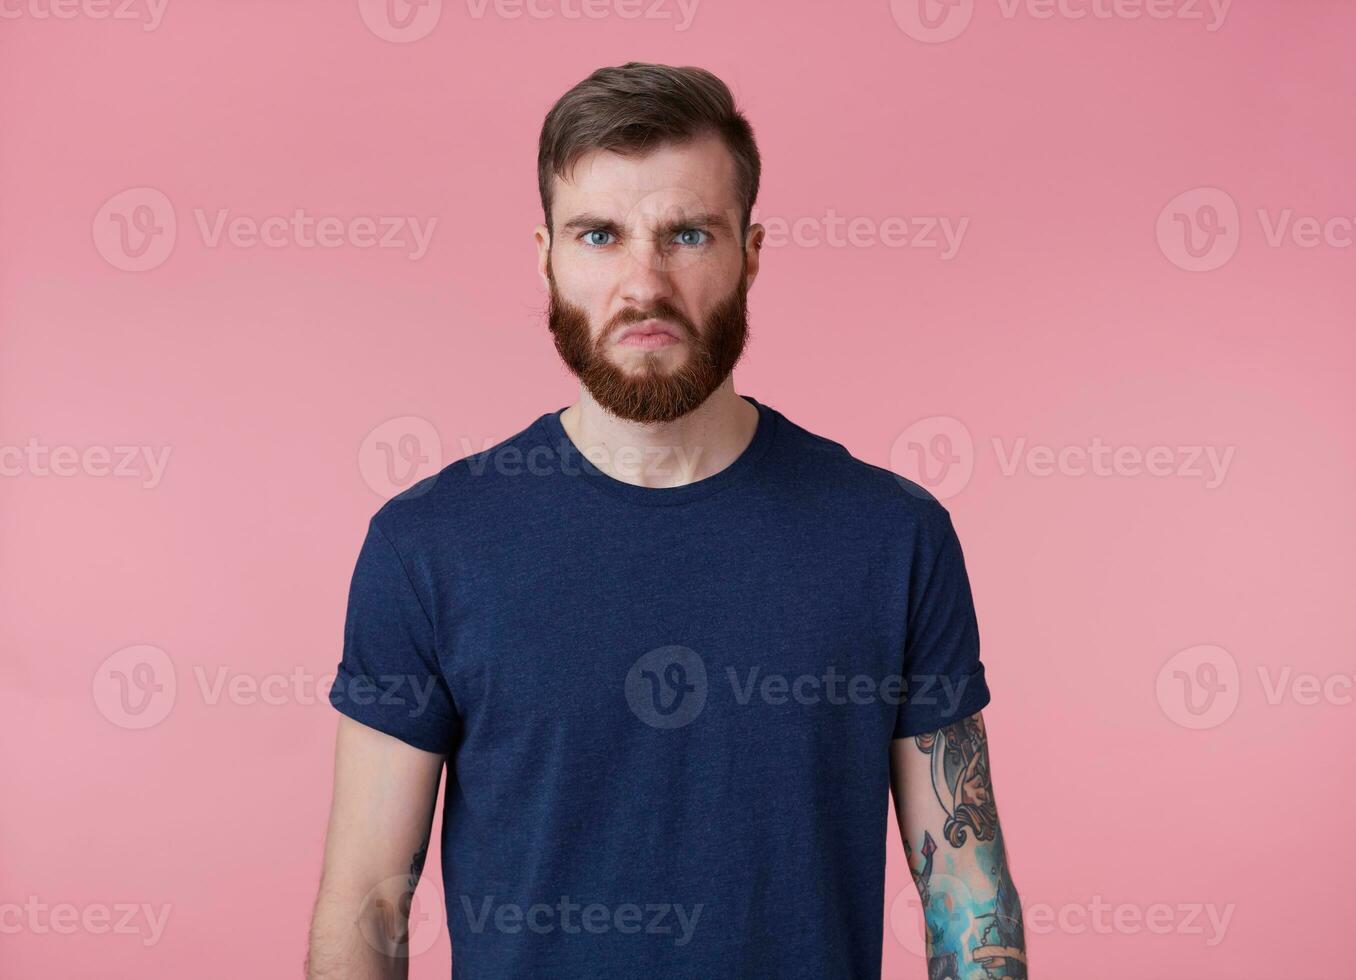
954	846
974	920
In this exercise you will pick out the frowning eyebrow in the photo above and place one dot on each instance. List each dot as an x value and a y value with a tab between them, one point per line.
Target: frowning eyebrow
594	222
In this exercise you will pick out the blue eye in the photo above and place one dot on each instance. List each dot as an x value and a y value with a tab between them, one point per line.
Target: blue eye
687	238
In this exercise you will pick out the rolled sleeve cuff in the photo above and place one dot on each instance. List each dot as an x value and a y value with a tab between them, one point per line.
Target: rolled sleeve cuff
934	701
397	705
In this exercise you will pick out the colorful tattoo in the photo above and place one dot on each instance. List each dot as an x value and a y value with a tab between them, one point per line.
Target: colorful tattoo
974	919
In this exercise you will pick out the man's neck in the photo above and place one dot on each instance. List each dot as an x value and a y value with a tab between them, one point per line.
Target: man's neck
664	454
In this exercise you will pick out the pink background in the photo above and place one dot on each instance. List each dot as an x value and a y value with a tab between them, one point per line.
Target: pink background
1069	313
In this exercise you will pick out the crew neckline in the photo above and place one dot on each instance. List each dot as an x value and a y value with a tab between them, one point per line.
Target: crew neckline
575	461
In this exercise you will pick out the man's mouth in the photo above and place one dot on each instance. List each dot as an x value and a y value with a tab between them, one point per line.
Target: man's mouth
648	335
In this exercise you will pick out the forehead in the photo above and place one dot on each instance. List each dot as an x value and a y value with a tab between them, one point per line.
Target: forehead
697	175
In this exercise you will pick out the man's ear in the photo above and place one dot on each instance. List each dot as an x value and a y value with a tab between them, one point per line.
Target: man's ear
542	236
753	245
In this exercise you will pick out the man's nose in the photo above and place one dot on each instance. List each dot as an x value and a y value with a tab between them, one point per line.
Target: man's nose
645	273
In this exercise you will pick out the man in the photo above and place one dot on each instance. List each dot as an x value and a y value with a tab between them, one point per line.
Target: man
674	648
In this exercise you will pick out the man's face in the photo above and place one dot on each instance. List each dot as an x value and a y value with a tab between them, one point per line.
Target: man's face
648	277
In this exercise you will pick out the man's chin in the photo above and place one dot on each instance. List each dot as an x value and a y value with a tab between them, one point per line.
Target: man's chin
649	363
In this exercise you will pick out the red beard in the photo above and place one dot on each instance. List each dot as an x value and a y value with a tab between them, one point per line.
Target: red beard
652	393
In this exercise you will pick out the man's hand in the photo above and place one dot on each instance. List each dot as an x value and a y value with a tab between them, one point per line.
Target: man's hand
949	822
380	818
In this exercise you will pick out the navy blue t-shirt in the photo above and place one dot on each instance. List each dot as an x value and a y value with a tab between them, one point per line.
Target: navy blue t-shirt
667	712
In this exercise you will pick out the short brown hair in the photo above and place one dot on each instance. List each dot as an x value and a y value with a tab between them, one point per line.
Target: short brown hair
636	107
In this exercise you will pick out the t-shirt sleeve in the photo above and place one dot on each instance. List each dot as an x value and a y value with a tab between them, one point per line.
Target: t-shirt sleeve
390	678
943	677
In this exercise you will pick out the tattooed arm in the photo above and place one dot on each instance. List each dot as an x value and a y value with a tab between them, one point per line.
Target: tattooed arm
380	818
947	817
